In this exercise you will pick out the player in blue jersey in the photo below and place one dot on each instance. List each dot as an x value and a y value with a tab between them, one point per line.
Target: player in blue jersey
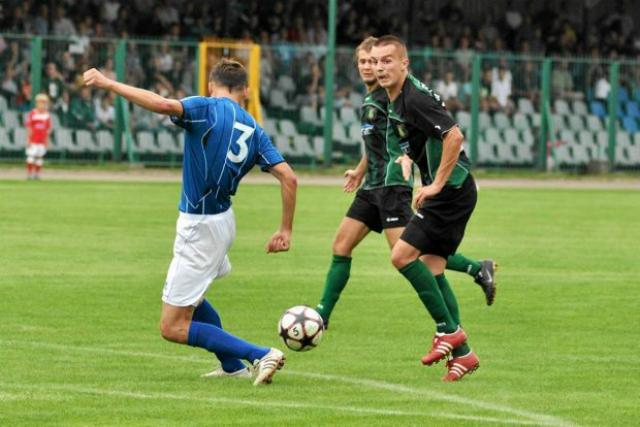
222	143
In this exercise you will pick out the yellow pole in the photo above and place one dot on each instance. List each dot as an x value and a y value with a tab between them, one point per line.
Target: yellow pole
254	83
202	72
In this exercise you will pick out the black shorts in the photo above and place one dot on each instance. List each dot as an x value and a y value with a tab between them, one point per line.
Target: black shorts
438	226
384	207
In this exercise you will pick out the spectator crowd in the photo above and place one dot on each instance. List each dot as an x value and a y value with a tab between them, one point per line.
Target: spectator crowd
293	35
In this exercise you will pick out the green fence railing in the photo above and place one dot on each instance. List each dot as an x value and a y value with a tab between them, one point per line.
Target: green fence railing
516	111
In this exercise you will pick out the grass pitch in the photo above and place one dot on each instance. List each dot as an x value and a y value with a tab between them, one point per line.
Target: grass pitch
81	273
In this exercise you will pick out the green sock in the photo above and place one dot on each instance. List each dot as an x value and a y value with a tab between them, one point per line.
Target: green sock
337	278
459	262
452	305
427	288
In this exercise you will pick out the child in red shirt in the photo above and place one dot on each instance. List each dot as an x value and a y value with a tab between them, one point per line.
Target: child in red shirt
39	127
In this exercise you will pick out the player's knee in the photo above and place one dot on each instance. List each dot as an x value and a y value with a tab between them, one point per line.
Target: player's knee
342	246
399	259
173	332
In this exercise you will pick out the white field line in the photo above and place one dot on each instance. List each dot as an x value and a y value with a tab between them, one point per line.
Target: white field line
75	389
533	417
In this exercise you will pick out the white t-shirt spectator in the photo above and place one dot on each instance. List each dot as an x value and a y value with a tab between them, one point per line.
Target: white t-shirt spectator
602	88
501	90
105	115
110	11
447	90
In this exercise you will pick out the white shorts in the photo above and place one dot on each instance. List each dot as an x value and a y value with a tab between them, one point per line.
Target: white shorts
199	256
36	150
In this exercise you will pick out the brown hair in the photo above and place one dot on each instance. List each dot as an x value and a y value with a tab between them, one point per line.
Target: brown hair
397	41
365	45
229	73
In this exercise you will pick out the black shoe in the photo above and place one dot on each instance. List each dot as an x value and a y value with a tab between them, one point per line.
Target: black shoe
487	280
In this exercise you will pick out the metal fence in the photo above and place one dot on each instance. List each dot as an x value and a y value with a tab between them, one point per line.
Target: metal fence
516	111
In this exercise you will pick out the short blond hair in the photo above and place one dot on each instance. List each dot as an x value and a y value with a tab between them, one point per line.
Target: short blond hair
42	97
366	45
393	40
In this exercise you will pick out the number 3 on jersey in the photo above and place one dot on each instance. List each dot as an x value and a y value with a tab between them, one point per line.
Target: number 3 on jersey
247	131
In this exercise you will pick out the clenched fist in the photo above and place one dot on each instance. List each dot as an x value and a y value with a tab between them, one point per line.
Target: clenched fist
96	79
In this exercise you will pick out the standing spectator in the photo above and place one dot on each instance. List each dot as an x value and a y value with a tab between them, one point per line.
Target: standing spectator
318	34
562	82
53	83
448	90
110	9
166	15
23	101
464	55
105	111
9	86
63	109
528	82
62	26
41	21
83	115
602	87
501	90
512	23
164	59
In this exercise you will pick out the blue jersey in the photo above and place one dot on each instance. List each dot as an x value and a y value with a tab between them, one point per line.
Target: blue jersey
222	143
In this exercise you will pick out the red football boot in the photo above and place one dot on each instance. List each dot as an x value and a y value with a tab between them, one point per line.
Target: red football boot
443	344
460	366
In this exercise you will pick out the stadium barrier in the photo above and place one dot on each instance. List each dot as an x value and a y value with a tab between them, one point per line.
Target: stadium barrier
516	111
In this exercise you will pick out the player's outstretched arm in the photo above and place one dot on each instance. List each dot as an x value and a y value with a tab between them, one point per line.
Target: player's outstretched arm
353	177
144	98
281	239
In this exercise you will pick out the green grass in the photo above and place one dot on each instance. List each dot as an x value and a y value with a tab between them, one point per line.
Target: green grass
82	267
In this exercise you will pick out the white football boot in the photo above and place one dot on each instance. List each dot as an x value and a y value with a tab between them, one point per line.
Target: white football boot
266	367
219	373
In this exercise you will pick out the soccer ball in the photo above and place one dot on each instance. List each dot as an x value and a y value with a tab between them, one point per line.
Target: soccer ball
301	328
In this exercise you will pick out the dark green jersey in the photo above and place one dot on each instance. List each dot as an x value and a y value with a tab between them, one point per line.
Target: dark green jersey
381	147
420	120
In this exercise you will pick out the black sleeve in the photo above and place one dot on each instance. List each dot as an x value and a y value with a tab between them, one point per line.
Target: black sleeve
430	115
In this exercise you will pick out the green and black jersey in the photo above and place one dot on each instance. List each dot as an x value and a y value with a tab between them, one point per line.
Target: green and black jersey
381	146
419	119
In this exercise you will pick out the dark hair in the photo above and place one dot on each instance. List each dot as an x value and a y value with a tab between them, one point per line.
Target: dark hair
229	73
389	39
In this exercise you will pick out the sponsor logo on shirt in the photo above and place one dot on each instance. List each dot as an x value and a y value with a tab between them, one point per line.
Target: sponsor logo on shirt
402	130
367	129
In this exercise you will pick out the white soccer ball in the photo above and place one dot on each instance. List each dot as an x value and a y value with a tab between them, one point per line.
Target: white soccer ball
301	328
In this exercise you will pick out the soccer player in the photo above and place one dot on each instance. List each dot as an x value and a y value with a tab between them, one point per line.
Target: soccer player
384	201
38	124
433	141
222	143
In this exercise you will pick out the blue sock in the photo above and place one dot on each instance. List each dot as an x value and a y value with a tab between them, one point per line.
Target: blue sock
218	341
205	313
